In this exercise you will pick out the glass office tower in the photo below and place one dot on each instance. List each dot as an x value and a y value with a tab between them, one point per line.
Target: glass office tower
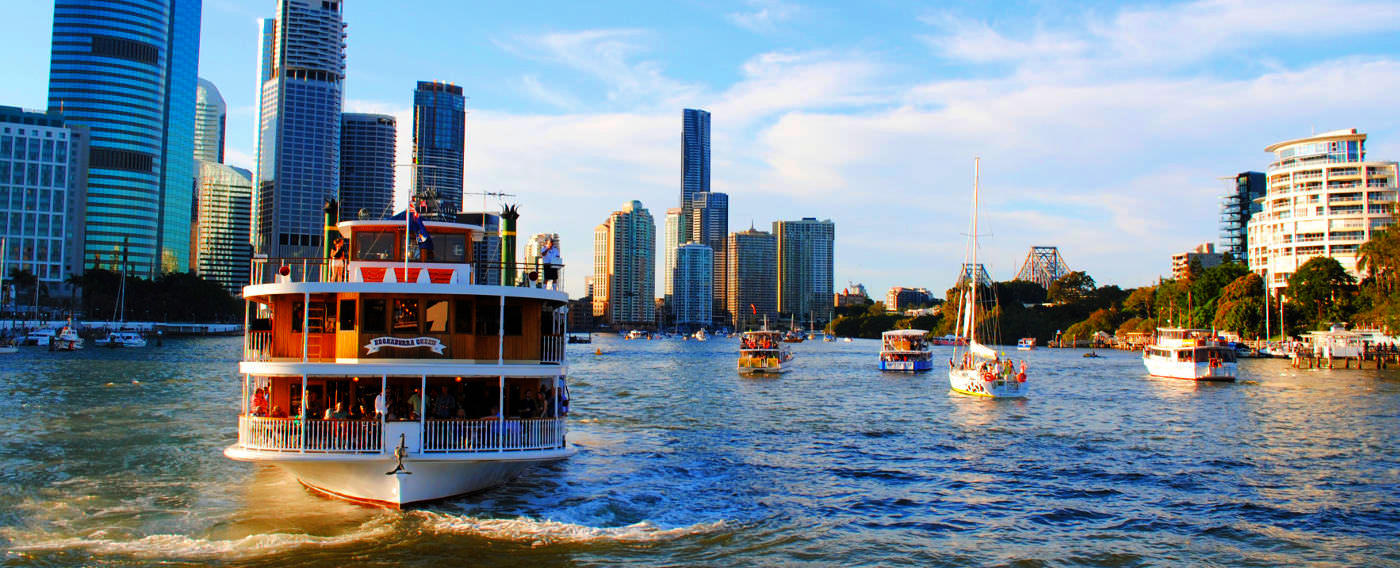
695	154
439	139
367	166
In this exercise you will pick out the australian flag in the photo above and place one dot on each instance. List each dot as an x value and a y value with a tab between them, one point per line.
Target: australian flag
420	232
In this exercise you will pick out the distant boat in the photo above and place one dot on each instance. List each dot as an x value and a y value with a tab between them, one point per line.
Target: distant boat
576	338
121	338
701	335
978	370
945	340
1025	344
1190	354
905	350
763	352
636	334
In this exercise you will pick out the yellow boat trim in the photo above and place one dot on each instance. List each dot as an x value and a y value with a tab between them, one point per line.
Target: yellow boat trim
970	393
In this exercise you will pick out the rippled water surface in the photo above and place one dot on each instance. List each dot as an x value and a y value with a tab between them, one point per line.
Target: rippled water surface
113	457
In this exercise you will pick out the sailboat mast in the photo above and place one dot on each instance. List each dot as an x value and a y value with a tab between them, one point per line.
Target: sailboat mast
972	280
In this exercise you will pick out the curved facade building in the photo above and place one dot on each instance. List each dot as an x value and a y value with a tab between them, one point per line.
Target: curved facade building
126	70
1324	198
210	113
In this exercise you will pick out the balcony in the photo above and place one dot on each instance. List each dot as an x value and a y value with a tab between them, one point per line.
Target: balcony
368	436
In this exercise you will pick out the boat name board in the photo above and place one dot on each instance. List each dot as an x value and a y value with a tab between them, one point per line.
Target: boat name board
404	343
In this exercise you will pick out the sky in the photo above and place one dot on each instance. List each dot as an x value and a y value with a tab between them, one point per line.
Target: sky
1103	128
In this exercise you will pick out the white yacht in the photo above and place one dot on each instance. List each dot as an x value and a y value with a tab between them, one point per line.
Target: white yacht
977	370
385	376
121	338
1190	354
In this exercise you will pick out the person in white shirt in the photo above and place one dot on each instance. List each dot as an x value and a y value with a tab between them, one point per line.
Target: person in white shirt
552	262
379	407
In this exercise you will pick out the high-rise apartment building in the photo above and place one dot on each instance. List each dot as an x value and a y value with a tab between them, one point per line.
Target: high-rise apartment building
43	176
805	266
624	267
210	115
695	154
222	250
753	278
1203	256
900	298
439	140
367	165
709	221
677	234
299	126
1237	206
127	71
486	254
1324	199
693	301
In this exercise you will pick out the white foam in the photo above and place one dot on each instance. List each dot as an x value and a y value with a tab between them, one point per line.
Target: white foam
544	532
167	546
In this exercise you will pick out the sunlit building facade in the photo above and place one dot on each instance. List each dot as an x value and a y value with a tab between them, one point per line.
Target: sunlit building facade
210	116
805	266
752	290
42	182
222	250
624	268
439	140
693	300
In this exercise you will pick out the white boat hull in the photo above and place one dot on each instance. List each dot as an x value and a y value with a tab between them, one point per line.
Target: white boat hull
363	479
971	383
1189	370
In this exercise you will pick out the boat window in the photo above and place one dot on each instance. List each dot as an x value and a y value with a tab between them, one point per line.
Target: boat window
487	320
463	315
405	316
450	247
374	245
347	315
375	320
435	317
514	321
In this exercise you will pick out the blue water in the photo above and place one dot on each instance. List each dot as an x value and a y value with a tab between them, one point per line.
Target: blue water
112	457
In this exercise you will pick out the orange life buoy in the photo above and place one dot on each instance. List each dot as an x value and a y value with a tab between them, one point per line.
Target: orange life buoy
1021	377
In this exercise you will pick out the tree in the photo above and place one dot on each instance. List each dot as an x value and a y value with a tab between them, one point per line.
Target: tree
1071	288
1208	285
1021	291
1323	290
1139	301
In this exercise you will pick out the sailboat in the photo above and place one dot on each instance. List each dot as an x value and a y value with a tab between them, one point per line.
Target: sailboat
976	369
117	337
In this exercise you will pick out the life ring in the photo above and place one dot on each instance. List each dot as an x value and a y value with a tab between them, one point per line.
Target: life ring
1021	377
989	377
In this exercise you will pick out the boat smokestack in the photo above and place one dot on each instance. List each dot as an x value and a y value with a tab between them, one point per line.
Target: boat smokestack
509	215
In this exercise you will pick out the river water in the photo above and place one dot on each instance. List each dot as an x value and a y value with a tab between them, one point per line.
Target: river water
113	457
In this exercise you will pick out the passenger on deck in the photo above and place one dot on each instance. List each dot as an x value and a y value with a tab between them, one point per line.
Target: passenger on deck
259	402
444	405
494	415
541	404
380	408
415	405
338	413
277	412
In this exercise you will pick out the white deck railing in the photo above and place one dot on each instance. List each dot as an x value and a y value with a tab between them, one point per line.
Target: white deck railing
257	346
285	435
493	435
552	349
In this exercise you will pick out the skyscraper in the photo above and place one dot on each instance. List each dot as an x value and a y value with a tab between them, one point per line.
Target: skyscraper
439	139
43	171
210	114
624	267
299	127
222	251
709	221
1236	207
695	154
677	233
753	277
486	255
366	165
693	300
127	70
805	268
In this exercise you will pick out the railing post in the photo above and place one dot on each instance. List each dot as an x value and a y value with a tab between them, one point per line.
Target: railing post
302	412
383	392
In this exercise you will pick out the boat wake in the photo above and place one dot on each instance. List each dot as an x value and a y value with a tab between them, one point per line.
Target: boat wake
182	547
545	533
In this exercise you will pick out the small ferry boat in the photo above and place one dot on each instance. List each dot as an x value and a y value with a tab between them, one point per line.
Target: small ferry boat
701	335
1190	354
763	352
978	370
636	334
122	338
905	350
384	375
1025	344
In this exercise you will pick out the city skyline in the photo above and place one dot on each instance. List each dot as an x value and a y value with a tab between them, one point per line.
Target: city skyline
918	101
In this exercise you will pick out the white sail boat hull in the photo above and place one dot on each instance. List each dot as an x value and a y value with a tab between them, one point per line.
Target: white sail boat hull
972	383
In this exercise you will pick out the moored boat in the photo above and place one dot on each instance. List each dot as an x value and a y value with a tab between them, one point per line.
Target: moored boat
763	352
905	350
384	375
1025	344
1190	354
121	338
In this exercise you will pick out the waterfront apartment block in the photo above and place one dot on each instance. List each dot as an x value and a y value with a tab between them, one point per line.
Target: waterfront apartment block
210	116
439	139
677	234
367	165
805	267
694	294
695	155
900	298
1237	206
709	221
303	71
1204	254
43	176
222	250
1324	198
853	295
127	72
753	278
624	268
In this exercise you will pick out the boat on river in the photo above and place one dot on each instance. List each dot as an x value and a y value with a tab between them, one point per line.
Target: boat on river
383	374
763	352
905	350
121	338
978	370
1026	344
1190	354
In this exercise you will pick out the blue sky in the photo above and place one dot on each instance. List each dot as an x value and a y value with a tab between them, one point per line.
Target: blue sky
1103	127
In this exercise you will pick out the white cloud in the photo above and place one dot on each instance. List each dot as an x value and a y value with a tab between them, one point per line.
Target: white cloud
609	56
764	15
